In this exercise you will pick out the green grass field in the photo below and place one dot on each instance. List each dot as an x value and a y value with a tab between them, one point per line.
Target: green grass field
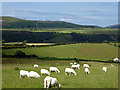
96	79
69	30
88	51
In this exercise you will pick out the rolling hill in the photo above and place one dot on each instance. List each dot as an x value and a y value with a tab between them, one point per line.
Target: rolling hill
12	22
114	26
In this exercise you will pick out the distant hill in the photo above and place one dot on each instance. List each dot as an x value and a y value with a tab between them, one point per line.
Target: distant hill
114	26
12	22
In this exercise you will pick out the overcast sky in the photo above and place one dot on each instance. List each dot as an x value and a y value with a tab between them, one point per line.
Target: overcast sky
83	13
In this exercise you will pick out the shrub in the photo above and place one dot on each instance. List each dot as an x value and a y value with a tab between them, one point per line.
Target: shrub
19	53
16	68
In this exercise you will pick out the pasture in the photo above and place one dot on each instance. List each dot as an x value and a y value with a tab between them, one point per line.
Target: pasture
89	51
96	79
69	30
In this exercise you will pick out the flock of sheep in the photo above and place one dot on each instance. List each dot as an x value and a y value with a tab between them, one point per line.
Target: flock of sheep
50	82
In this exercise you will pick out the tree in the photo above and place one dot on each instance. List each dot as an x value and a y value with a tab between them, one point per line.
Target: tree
3	42
19	53
24	42
105	41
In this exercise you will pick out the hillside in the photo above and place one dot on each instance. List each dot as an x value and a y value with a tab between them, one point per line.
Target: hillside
113	26
12	22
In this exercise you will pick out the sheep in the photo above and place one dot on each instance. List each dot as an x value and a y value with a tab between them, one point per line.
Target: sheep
44	71
24	73
116	59
87	71
50	82
71	63
104	69
112	65
33	74
35	65
54	69
69	70
76	66
86	65
75	63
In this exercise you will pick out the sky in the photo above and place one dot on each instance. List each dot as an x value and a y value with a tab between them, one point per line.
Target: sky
82	13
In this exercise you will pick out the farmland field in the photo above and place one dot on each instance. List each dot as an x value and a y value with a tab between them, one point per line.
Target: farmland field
96	79
69	30
88	51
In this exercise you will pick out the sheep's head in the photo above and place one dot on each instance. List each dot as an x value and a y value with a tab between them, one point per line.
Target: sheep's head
60	86
48	73
38	76
58	71
75	73
28	75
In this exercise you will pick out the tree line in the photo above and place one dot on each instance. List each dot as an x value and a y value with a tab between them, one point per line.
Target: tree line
53	37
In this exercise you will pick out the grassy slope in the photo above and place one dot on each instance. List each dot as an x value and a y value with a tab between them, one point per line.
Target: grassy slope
96	79
82	51
11	22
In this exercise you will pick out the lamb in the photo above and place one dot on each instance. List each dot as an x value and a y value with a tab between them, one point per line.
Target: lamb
24	73
76	66
69	70
50	82
54	69
44	71
33	74
35	65
104	69
112	65
87	71
71	63
86	65
75	63
116	60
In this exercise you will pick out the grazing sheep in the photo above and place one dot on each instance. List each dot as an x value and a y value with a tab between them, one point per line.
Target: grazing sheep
24	73
69	70
35	65
54	69
86	65
76	66
50	82
104	69
44	71
112	65
116	60
87	71
75	63
33	74
71	63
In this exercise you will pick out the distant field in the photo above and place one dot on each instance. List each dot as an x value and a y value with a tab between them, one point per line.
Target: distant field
39	44
96	79
87	51
70	30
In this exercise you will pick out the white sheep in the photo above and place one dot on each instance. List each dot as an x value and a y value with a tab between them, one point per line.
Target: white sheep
87	71
104	69
50	82
44	71
71	63
75	63
116	60
76	66
70	71
112	65
54	69
86	65
33	74
35	65
24	73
